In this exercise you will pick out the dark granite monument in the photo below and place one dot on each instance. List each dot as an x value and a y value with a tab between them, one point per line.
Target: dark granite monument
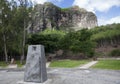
35	70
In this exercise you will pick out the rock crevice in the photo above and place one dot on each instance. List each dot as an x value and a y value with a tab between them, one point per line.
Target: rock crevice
49	16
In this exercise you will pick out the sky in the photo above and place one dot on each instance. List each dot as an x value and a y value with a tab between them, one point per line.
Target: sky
107	11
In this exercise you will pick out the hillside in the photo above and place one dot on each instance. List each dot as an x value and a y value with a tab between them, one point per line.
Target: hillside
100	41
107	38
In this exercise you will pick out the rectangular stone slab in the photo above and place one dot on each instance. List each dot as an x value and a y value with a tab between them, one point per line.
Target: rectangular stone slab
35	70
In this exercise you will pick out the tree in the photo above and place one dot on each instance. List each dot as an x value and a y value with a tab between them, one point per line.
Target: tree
24	11
78	42
14	18
5	19
50	39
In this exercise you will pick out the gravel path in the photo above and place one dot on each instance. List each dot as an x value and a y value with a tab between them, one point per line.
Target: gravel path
66	76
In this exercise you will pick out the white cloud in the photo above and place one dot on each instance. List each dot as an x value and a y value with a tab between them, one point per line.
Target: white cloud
42	1
39	1
103	21
56	1
97	5
114	20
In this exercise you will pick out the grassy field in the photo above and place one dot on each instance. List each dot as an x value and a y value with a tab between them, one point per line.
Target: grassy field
20	65
68	63
108	64
2	64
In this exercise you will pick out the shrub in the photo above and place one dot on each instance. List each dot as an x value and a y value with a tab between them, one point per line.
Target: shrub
115	52
50	39
79	42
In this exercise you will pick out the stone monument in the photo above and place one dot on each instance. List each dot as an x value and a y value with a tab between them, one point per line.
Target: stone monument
35	70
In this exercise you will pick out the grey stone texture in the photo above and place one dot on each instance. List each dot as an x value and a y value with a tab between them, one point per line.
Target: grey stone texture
35	70
49	16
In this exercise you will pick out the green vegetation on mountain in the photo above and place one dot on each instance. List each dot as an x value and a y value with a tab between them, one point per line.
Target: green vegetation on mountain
14	38
115	52
49	38
106	35
78	42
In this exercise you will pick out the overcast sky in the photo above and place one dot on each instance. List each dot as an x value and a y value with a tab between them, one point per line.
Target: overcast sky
107	11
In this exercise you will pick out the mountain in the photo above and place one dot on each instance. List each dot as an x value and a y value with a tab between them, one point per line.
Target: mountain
49	16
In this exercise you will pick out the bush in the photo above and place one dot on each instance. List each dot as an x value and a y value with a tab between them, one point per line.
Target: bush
50	39
79	42
115	52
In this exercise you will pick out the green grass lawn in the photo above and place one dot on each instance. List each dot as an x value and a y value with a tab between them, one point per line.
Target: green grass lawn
68	63
108	64
20	65
2	64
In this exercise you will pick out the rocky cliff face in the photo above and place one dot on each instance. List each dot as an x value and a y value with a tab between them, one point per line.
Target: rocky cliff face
49	16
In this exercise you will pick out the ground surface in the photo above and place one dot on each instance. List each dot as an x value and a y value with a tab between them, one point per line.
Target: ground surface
66	76
68	63
108	64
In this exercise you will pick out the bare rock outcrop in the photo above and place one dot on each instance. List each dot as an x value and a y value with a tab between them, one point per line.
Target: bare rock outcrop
49	16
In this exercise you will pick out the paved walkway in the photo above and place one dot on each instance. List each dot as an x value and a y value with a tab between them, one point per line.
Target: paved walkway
88	65
47	64
12	66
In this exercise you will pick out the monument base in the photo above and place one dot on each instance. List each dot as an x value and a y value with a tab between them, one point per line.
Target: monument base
23	82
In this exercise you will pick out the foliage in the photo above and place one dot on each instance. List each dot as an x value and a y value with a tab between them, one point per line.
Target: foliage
3	64
65	9
79	42
47	31
106	35
12	26
14	21
5	15
115	52
50	39
68	63
105	32
108	64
